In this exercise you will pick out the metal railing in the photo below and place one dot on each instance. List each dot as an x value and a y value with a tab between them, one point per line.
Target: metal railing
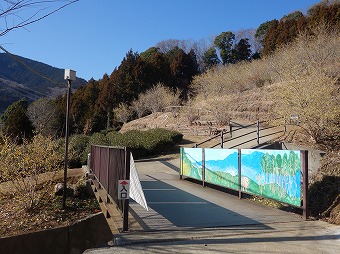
226	136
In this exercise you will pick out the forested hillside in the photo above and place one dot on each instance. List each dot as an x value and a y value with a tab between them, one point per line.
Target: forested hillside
17	81
214	74
175	64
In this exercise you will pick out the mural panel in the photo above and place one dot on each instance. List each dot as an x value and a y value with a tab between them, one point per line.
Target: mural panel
274	174
221	167
191	164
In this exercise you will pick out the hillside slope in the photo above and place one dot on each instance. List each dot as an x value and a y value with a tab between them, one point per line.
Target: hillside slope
17	81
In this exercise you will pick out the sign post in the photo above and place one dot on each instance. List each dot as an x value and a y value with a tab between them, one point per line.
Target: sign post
123	189
125	183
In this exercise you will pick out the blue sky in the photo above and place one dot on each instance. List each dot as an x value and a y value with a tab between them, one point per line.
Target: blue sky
92	37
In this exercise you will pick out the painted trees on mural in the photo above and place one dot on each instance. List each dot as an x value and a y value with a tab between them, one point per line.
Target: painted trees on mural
283	168
273	174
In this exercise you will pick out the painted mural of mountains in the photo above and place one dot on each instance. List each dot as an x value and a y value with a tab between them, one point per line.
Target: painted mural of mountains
17	81
221	165
252	160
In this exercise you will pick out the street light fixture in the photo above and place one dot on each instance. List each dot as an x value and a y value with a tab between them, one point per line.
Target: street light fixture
70	76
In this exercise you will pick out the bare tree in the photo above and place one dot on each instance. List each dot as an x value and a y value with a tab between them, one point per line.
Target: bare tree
139	107
42	113
199	47
15	14
156	99
122	113
309	70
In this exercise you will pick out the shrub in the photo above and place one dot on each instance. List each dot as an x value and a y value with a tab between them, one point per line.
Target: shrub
146	143
141	143
322	194
77	147
98	138
23	165
133	139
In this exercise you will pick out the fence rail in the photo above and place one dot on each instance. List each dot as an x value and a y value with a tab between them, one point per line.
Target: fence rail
109	165
226	136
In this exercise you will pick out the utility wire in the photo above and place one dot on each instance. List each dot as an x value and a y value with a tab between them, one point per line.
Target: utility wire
28	67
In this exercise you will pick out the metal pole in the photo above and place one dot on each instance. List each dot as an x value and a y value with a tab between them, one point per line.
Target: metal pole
181	164
239	175
258	131
222	141
304	167
66	141
203	167
126	201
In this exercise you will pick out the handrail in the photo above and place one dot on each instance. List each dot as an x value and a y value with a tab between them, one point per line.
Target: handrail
231	131
270	134
244	142
218	135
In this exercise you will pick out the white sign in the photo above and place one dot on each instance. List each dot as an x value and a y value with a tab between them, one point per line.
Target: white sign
123	189
136	191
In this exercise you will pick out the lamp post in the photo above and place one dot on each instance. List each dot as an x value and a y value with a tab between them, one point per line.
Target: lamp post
70	76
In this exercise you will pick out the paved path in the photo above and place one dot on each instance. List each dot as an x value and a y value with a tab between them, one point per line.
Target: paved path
181	204
186	218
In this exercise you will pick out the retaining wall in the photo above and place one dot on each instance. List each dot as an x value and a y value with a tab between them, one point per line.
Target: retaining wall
88	233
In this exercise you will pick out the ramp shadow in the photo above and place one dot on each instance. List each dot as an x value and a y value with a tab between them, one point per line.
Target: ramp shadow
185	210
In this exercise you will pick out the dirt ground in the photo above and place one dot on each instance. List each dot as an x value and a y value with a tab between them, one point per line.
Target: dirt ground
16	220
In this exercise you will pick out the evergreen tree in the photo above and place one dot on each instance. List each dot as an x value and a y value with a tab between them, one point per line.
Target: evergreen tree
210	58
183	67
269	42
261	33
82	109
224	42
15	122
325	12
242	51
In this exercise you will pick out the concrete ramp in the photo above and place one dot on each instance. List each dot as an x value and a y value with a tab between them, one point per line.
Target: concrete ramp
180	204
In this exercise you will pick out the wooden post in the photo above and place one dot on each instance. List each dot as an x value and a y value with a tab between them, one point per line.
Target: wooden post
126	201
304	170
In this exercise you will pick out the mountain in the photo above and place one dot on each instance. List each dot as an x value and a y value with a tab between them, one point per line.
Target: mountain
230	162
17	81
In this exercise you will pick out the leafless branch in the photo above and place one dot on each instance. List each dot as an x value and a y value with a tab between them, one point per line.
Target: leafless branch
14	8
